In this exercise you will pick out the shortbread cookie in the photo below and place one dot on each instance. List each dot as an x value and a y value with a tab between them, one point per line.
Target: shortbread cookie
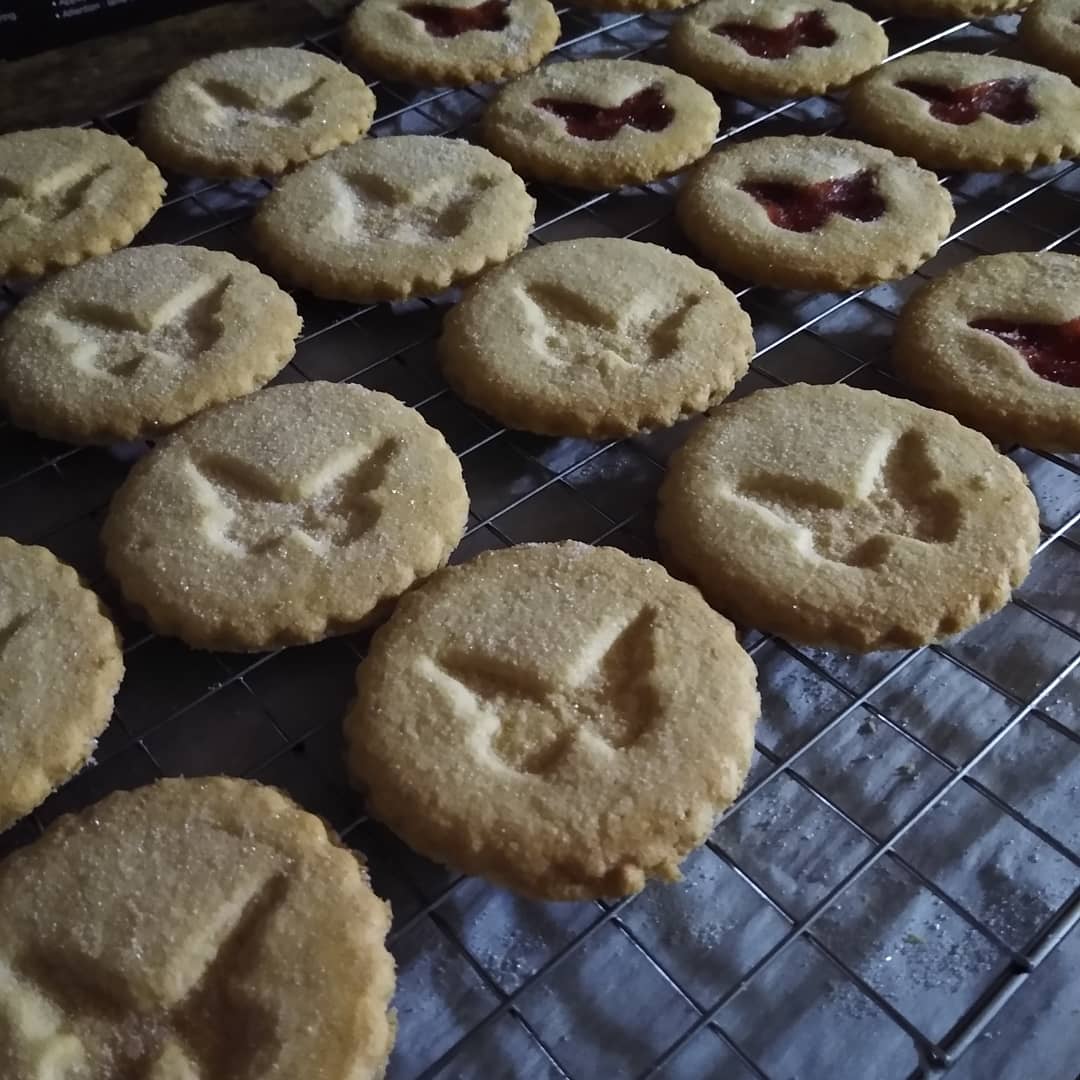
451	42
1050	34
963	111
786	48
60	666
192	930
835	516
133	343
69	193
254	112
814	212
395	217
946	9
997	342
295	513
565	720
594	338
601	123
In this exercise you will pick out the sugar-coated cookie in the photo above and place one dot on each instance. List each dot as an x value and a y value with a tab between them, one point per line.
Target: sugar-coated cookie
192	930
565	720
965	111
451	42
295	513
814	212
596	337
776	48
394	217
1050	35
254	112
60	666
69	193
132	343
835	516
996	341
601	123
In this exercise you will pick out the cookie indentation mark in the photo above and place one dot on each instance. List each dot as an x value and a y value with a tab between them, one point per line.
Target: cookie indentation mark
50	198
245	513
444	22
102	339
1052	352
809	29
226	103
806	207
211	1028
9	629
646	110
604	702
1007	100
897	496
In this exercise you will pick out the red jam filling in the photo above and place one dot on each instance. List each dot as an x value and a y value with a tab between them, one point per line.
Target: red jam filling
809	28
1007	99
646	110
806	207
1052	352
450	21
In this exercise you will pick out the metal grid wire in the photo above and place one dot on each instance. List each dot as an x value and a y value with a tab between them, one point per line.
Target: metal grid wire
906	854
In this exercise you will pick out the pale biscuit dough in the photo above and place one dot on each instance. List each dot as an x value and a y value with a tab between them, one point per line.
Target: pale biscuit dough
906	216
394	217
60	666
418	40
985	380
1050	33
254	112
595	338
131	344
887	113
828	44
295	513
671	122
835	516
69	193
565	720
192	930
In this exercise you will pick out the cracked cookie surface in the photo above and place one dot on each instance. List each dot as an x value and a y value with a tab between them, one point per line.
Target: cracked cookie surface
835	516
131	344
394	217
566	720
596	337
254	112
295	513
192	930
60	667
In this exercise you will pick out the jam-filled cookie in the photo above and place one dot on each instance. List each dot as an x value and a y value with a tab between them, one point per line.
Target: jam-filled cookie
601	123
451	42
835	516
1050	34
254	112
963	111
946	9
814	212
786	48
997	342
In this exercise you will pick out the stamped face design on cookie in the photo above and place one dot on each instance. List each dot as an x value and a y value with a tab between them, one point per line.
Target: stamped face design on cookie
809	29
898	496
444	22
646	110
228	103
202	1024
565	327
48	198
102	339
1052	352
1007	100
806	207
247	513
605	701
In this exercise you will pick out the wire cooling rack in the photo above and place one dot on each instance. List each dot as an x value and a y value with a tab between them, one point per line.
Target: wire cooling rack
895	892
